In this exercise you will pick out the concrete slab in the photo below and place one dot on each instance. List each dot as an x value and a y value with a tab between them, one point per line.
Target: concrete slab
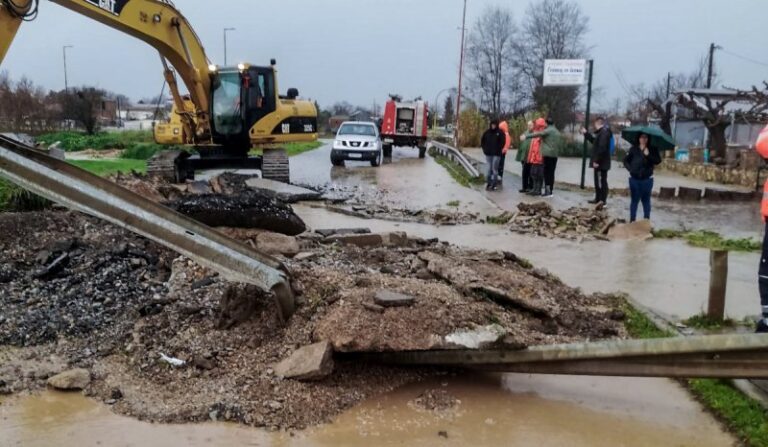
388	298
313	362
283	191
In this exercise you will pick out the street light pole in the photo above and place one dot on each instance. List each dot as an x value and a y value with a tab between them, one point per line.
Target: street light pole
66	80
225	44
461	72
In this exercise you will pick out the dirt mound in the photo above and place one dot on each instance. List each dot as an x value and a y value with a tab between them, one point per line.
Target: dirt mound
152	331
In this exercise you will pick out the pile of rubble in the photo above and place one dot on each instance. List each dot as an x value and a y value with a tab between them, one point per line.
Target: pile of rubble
160	338
540	219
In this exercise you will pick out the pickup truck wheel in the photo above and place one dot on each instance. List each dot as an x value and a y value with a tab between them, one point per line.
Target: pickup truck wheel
337	161
376	161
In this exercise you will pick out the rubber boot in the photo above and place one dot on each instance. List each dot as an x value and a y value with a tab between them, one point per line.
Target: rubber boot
547	191
536	191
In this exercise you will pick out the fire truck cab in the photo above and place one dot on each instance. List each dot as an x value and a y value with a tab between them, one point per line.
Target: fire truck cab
405	125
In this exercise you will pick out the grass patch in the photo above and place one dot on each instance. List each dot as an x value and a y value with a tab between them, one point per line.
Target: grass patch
457	172
742	415
638	324
294	149
15	198
501	219
78	141
710	240
706	322
453	203
105	168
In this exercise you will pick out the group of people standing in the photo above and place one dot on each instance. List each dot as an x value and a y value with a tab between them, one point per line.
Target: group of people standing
542	144
539	151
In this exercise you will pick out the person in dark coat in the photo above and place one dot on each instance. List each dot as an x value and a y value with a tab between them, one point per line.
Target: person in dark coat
493	144
640	161
601	158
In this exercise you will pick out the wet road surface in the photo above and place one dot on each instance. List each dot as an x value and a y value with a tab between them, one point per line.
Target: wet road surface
493	410
407	181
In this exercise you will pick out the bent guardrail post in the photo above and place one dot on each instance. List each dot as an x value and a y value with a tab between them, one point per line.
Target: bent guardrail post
457	156
75	188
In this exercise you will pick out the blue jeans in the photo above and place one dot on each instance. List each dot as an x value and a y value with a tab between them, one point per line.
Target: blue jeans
493	168
641	192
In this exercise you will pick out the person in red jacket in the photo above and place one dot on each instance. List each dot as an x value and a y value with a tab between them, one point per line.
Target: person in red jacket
504	127
536	159
762	325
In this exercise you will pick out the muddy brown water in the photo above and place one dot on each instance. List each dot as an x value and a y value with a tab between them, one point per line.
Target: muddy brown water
492	410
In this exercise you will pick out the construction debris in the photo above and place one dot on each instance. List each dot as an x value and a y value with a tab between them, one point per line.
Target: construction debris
75	379
540	219
313	362
121	301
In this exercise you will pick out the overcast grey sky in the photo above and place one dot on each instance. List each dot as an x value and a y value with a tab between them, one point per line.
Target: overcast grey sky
361	50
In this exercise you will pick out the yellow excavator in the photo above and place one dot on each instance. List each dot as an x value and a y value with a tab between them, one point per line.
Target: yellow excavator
227	111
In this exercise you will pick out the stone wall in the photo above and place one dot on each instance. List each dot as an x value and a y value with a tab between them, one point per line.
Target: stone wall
714	173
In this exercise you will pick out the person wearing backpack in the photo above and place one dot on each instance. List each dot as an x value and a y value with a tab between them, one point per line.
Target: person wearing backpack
601	158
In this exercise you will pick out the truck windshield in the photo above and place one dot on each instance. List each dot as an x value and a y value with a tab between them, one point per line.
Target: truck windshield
358	129
227	116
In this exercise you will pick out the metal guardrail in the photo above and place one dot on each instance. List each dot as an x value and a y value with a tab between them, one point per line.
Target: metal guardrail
730	356
75	188
456	155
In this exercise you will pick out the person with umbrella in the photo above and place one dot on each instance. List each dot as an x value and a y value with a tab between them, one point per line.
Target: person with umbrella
640	161
643	156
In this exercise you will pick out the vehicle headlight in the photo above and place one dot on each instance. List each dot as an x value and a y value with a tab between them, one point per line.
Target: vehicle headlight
338	143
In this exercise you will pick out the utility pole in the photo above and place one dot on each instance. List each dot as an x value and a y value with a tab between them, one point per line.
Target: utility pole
669	85
587	118
66	80
225	44
710	72
461	72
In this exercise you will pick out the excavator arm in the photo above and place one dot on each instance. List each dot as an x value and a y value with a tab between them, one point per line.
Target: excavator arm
156	22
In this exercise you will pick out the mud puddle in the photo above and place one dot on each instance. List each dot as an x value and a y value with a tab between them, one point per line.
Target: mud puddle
667	276
545	410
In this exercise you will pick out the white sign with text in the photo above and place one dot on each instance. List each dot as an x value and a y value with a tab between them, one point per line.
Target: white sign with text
565	72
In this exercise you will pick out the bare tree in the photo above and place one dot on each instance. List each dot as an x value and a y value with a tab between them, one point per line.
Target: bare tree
83	106
654	99
490	58
342	108
712	111
552	29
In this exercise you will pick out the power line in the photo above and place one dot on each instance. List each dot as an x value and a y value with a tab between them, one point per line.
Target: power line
745	58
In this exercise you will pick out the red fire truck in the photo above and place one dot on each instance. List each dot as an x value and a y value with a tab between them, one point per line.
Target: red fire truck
405	125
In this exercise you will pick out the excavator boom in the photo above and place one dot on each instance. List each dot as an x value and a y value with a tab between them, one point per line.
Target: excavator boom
156	22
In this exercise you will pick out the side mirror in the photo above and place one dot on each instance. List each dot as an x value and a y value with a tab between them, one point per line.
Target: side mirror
293	93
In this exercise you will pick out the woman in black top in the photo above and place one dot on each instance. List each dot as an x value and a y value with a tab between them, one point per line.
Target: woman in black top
640	162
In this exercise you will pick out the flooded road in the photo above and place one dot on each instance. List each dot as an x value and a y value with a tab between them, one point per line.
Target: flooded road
668	276
492	410
407	181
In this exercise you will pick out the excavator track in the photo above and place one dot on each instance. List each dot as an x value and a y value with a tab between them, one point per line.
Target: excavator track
168	165
275	165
